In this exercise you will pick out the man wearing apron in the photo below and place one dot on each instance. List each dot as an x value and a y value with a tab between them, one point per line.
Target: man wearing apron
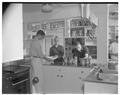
38	57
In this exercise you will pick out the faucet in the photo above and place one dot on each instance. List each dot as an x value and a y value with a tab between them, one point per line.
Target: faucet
98	73
97	70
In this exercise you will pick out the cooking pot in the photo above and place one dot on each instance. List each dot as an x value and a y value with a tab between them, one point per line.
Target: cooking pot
84	62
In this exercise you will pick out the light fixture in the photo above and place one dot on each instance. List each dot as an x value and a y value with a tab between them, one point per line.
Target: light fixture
47	8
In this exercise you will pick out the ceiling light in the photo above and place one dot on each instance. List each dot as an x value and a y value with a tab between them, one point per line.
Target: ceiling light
47	8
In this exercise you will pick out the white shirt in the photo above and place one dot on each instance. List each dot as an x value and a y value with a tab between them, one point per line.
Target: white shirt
35	48
114	50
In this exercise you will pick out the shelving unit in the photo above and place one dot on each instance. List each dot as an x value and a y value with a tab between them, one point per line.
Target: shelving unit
80	29
112	24
113	32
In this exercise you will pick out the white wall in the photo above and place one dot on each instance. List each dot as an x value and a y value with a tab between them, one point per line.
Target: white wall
57	13
12	33
100	10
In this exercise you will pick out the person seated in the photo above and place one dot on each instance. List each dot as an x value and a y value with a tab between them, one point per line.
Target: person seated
57	50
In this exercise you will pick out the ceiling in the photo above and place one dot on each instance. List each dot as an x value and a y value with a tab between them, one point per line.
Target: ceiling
28	8
37	7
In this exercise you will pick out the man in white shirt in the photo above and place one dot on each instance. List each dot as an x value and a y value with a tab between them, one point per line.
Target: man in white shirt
37	59
114	49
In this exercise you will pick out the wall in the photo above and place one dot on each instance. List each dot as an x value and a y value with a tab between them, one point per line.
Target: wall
57	13
100	10
12	34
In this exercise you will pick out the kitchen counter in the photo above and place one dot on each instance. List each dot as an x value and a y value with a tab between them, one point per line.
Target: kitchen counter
72	66
14	68
107	82
64	79
109	77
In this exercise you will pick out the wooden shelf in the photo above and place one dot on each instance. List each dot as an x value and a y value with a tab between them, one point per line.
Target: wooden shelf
79	26
91	40
76	37
113	25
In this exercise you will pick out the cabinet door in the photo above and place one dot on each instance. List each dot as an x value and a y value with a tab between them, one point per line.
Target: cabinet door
93	87
52	80
64	79
71	80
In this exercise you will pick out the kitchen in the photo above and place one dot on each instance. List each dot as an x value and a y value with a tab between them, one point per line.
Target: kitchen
93	25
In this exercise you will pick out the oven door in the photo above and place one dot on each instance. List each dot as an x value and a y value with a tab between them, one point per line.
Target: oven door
21	82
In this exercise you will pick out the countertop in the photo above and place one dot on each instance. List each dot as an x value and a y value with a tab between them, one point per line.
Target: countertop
92	78
14	68
72	66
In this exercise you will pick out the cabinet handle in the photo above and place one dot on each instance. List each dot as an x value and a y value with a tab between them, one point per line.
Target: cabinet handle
61	76
19	82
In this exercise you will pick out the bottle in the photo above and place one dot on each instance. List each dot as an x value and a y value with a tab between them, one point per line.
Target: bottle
75	60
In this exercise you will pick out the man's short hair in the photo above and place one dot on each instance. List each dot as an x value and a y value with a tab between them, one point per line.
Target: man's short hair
40	32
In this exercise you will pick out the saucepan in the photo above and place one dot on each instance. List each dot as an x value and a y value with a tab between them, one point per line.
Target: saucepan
84	62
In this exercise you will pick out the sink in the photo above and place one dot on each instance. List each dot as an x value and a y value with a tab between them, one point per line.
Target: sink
105	76
107	71
109	77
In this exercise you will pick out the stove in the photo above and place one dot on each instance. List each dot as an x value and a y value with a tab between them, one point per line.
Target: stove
15	80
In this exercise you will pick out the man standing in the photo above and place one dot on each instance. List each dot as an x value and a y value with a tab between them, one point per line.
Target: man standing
114	49
37	58
57	50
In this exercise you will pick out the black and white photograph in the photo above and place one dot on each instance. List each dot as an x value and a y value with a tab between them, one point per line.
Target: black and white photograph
60	48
